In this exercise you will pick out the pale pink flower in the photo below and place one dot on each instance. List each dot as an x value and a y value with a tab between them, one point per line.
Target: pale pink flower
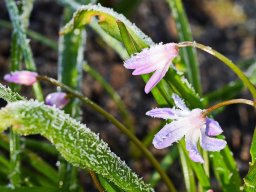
189	123
21	77
156	59
57	99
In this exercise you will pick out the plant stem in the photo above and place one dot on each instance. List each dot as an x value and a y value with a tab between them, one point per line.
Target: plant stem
22	39
225	60
118	124
96	181
184	32
229	102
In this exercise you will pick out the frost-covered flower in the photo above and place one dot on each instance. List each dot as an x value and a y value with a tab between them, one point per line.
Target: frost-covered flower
189	123
21	77
157	58
57	99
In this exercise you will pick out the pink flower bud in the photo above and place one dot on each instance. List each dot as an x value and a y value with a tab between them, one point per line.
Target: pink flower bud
57	99
21	77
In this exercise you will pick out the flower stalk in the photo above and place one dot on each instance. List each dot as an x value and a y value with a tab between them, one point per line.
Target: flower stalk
229	102
225	60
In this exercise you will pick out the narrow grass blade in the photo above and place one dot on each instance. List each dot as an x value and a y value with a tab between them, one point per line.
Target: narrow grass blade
21	36
184	32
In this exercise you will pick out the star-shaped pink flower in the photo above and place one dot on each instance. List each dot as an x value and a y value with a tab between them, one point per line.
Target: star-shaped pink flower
155	59
189	123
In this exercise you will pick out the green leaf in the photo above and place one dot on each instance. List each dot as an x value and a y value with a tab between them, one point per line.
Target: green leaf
109	187
70	61
22	40
107	19
77	144
8	95
188	54
250	179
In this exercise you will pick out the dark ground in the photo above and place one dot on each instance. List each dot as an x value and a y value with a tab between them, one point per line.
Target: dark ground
227	26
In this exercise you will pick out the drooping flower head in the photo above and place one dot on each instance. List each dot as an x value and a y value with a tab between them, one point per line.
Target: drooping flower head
57	99
21	77
156	59
189	123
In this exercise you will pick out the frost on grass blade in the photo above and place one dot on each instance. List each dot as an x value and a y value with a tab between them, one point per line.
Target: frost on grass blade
107	19
8	95
77	144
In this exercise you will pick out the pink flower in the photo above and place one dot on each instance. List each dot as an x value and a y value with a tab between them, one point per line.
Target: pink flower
21	77
57	99
156	59
189	123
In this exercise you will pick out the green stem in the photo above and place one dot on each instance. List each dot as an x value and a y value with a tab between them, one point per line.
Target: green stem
184	32
26	50
14	172
118	124
96	181
226	61
113	94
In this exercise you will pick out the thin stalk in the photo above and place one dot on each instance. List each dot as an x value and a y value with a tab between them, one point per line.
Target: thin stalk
118	124
96	181
229	102
184	32
113	94
226	61
14	172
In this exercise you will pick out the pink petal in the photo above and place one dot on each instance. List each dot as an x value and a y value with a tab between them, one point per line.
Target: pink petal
212	127
211	144
145	69
21	77
57	99
152	55
179	102
164	113
191	139
156	77
169	134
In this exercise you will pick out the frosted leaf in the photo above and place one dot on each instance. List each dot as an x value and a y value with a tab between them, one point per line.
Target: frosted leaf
8	95
77	143
85	13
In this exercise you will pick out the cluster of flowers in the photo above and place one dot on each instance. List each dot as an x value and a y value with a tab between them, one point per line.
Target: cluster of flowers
192	124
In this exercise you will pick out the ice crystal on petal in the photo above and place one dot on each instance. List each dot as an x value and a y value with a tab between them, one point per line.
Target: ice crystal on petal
156	59
189	123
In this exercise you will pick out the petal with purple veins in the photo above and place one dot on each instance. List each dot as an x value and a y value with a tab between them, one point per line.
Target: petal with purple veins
191	139
169	134
211	144
164	113
212	127
156	77
145	69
